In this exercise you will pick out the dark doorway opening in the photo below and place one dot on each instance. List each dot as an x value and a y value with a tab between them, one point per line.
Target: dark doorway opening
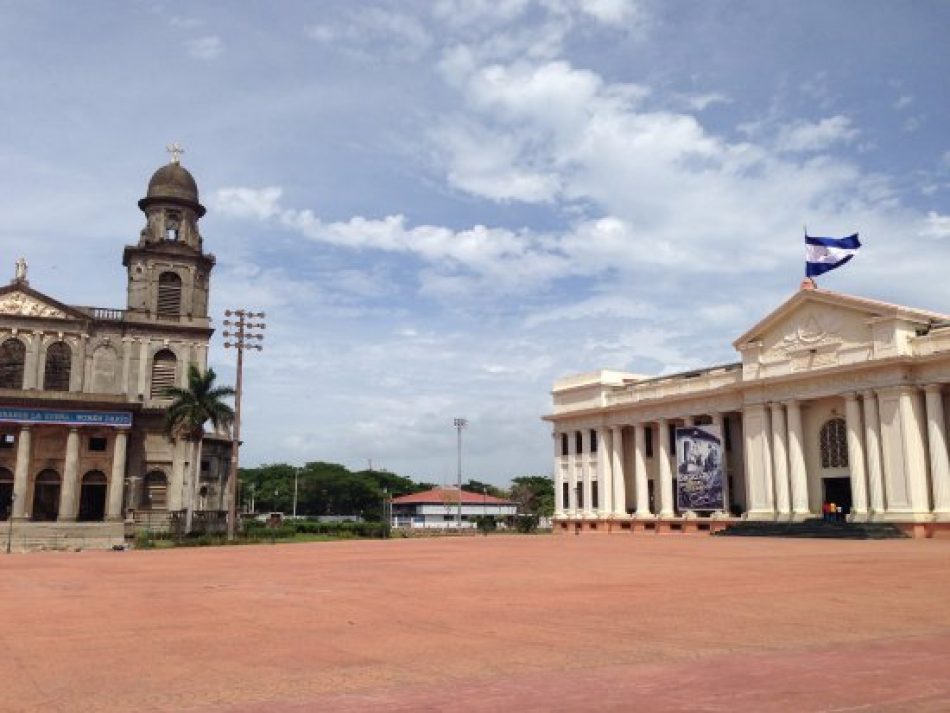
156	489
838	491
46	496
92	497
6	493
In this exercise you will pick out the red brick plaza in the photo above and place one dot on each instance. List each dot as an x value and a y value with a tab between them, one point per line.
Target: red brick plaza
500	623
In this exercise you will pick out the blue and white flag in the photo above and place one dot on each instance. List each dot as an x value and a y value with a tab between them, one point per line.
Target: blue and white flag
824	254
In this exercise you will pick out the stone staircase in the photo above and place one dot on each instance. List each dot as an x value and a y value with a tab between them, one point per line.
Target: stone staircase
814	528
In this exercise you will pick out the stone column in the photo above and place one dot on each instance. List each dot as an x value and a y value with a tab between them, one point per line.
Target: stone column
604	473
758	462
780	461
558	478
937	438
666	472
616	467
77	367
68	502
143	368
586	472
904	452
719	424
21	474
571	474
872	440
117	478
641	481
31	361
201	356
859	489
798	475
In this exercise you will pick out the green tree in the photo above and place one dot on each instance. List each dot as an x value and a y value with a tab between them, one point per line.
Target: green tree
477	486
534	495
191	408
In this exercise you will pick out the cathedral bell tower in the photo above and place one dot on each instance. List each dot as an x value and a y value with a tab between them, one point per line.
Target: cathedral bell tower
168	269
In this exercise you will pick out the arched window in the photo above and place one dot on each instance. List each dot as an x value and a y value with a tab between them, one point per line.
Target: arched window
163	373
833	444
156	489
12	357
59	359
92	497
169	295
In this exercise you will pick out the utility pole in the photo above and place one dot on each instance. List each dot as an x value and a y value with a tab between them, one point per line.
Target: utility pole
243	335
295	493
460	423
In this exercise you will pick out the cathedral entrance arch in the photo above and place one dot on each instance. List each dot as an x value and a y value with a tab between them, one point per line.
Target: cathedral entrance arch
92	497
156	490
46	496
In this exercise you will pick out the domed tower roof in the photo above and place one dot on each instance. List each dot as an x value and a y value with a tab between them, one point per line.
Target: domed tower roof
172	183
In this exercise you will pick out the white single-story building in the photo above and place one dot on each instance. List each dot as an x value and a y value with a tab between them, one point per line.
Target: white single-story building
438	508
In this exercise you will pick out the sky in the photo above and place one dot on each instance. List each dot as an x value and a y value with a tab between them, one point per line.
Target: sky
444	206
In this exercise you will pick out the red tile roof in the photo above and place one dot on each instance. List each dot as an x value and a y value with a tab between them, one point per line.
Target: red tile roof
441	496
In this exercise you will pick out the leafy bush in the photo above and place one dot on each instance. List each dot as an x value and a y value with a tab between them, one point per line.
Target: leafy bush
486	524
526	523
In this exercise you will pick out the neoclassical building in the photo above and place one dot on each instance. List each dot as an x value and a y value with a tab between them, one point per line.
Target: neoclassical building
835	398
82	389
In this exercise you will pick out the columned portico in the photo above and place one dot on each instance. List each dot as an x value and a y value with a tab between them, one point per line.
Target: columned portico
937	441
842	399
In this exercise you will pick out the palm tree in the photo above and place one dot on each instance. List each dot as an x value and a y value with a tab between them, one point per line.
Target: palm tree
185	419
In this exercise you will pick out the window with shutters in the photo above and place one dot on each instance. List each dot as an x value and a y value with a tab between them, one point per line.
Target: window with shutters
169	295
833	444
163	373
59	359
12	357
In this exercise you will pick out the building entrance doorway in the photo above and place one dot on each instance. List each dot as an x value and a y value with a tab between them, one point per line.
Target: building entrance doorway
46	496
6	493
838	491
92	497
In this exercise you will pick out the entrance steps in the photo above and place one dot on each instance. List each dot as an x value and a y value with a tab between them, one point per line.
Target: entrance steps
814	528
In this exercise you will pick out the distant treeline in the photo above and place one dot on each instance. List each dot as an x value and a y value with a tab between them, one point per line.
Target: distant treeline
333	489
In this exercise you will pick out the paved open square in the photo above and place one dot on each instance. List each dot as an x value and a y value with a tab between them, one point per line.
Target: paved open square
503	622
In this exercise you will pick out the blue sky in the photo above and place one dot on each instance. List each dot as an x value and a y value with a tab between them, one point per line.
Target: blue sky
445	205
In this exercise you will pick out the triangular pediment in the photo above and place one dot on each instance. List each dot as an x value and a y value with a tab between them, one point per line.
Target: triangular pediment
20	300
813	316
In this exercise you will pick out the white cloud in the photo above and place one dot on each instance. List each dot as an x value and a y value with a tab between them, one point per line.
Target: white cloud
243	202
370	32
208	47
903	101
936	227
807	136
911	124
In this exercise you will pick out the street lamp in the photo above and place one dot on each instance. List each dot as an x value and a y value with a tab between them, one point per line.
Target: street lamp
460	423
244	337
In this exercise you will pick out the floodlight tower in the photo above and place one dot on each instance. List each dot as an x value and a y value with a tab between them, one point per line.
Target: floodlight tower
460	423
242	334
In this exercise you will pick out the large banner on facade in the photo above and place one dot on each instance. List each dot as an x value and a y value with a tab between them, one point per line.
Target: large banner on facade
699	477
112	419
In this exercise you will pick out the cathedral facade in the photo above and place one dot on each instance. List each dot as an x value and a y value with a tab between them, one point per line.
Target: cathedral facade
84	458
834	400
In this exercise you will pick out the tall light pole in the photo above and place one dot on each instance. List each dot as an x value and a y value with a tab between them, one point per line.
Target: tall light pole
241	336
460	423
295	493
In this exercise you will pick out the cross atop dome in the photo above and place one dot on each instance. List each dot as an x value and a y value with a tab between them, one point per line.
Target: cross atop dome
176	151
